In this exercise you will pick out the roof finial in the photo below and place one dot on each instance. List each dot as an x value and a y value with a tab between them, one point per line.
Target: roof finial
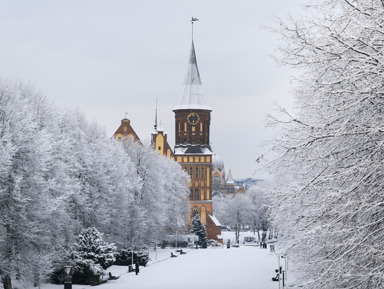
126	115
193	20
156	116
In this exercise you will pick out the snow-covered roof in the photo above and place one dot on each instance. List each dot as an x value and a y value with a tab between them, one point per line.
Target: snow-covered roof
230	179
193	96
192	150
216	221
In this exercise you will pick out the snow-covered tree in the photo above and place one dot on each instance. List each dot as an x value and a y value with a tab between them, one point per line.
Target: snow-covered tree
198	228
60	174
244	209
26	234
329	171
91	246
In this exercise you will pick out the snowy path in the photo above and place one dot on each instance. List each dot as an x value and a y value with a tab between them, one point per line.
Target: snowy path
242	268
236	268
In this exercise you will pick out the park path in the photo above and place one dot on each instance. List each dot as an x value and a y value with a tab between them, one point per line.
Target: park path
234	268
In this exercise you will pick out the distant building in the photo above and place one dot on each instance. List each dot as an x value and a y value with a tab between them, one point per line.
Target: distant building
160	144
125	132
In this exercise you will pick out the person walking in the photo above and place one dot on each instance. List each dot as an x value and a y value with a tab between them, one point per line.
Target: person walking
137	267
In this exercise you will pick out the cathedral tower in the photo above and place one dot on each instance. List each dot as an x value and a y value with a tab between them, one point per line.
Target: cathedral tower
192	146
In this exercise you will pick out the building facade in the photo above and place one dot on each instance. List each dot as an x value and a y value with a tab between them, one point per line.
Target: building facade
192	146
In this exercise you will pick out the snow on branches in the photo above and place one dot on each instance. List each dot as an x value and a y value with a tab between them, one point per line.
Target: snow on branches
329	170
60	174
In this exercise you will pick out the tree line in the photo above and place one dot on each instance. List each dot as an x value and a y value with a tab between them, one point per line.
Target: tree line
60	173
329	165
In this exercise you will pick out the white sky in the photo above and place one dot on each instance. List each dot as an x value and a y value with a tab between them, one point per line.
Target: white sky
111	57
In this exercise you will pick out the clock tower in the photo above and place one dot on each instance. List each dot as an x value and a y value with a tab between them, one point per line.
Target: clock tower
192	146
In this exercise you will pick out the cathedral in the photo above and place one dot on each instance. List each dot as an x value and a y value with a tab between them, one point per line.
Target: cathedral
192	146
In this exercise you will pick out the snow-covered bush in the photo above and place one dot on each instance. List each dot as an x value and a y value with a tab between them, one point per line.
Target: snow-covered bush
91	246
124	257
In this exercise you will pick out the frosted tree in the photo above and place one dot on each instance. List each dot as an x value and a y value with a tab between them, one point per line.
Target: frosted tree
159	204
26	230
91	246
198	228
329	171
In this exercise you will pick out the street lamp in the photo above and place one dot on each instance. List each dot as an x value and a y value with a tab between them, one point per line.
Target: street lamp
68	277
285	257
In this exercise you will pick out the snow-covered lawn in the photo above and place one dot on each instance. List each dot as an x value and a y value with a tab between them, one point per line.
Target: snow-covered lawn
243	268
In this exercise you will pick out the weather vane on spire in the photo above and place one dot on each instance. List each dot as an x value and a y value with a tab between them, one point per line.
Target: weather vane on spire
156	116
193	20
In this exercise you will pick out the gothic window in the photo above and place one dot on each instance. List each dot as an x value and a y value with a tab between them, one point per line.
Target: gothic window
190	194
202	172
197	172
196	194
190	171
119	138
195	211
203	215
216	183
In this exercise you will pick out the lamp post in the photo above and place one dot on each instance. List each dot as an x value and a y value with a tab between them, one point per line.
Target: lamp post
68	277
285	257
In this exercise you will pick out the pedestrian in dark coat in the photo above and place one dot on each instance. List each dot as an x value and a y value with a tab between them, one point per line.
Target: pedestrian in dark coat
137	267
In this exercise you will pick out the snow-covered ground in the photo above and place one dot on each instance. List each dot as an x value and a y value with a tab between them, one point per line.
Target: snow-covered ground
244	267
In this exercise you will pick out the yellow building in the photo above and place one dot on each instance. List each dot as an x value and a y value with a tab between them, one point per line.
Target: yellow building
192	147
125	132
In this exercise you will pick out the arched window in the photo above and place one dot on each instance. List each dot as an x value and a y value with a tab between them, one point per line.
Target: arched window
197	172
202	172
190	194
203	215
195	211
190	171
196	194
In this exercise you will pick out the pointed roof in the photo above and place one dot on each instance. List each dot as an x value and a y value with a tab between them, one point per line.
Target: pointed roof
126	130
193	96
230	179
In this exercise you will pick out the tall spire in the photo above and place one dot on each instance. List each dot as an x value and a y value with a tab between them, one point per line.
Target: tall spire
230	178
193	96
156	117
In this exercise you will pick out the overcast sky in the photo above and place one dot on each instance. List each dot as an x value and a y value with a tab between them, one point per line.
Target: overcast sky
107	58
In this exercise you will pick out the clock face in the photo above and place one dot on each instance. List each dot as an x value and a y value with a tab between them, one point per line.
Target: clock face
193	118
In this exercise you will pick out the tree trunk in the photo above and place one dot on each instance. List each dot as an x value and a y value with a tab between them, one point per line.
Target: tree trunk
36	279
6	280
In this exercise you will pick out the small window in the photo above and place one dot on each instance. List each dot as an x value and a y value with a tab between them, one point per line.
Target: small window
202	172
197	172
195	211
196	194
191	194
159	148
190	171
